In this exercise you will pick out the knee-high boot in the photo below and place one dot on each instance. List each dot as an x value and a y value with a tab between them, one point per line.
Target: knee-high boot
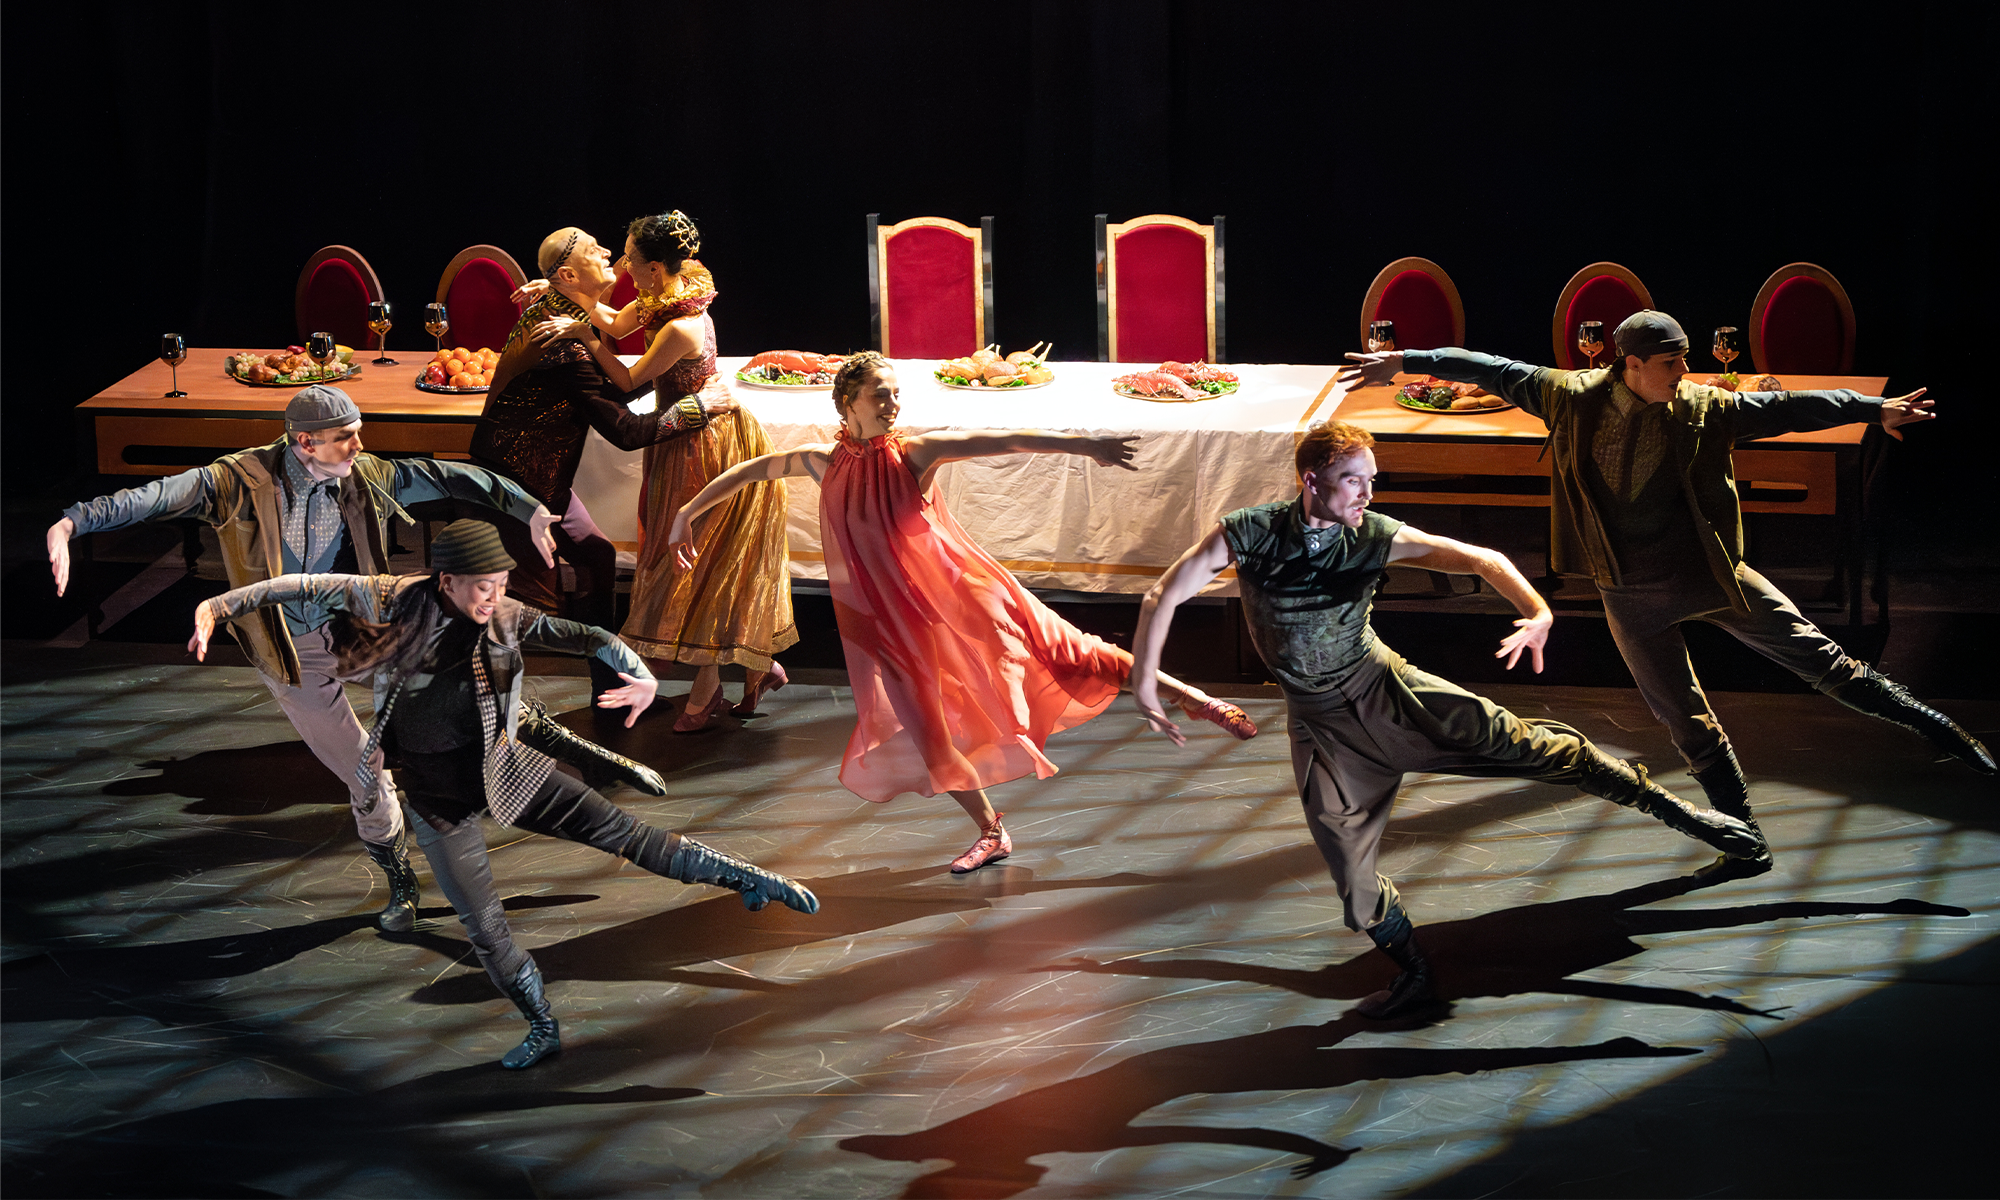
539	731
1880	696
1394	936
400	914
544	1034
1626	784
692	862
1729	793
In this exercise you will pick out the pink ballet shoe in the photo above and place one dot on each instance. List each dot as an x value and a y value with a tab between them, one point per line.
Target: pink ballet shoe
769	681
694	720
992	846
1223	713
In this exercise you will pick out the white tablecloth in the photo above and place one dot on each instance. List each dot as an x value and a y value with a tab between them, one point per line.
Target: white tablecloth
1056	521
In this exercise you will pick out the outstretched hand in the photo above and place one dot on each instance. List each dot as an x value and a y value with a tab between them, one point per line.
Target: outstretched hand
59	534
637	694
1530	634
1906	410
529	291
204	628
542	535
1369	369
1157	720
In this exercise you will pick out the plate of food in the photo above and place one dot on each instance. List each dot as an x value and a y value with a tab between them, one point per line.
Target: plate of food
290	367
791	371
984	369
459	371
1177	383
1431	395
1731	382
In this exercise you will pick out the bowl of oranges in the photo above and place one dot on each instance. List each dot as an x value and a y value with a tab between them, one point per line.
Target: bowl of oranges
459	371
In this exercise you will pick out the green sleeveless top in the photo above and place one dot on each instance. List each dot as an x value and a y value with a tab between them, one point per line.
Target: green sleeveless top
1307	592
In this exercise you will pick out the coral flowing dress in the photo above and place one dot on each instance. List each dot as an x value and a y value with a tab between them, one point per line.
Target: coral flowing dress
735	606
959	674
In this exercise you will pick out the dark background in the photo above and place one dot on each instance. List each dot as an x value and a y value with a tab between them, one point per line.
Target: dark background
173	165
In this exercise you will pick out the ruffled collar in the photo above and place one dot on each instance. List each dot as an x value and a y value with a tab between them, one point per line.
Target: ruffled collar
687	294
855	445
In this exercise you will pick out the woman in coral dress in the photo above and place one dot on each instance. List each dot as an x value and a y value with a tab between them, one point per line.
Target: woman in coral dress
959	673
735	604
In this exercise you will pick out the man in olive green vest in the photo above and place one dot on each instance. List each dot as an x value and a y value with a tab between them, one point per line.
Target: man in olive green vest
1643	501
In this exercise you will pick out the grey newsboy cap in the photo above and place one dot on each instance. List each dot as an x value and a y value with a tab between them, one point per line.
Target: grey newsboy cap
320	407
469	548
1646	333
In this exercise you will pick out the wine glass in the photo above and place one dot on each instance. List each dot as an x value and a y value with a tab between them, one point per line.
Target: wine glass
319	348
378	324
1727	345
436	322
173	352
1590	340
1381	336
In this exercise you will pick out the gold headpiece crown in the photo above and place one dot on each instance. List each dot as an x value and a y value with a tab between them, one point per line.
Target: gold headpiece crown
685	234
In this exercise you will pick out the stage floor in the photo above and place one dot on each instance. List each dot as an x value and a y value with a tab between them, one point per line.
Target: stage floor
1152	997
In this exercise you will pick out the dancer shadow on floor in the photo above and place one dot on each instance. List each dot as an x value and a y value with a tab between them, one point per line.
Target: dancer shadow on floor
1533	948
990	1148
410	1128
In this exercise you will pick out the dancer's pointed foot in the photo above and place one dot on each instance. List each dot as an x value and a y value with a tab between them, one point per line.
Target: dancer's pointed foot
992	846
1223	713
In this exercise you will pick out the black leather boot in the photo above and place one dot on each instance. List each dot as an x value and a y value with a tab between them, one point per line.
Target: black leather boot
400	916
1394	936
1729	793
1626	784
693	862
1880	696
544	1034
539	731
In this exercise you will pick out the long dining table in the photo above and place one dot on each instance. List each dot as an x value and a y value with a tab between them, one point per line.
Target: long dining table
1058	521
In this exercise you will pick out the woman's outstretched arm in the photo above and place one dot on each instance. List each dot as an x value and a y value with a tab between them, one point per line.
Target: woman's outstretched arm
807	461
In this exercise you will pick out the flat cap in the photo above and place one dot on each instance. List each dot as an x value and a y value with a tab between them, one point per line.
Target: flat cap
320	407
1646	333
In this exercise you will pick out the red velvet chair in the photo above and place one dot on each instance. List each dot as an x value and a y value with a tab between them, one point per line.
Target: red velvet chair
1159	290
474	288
1421	299
334	292
1604	292
622	293
930	286
1802	323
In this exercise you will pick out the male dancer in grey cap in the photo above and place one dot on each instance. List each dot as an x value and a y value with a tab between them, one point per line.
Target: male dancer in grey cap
1644	503
444	653
311	502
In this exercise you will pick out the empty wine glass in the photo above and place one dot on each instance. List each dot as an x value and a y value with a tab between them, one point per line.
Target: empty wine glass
1727	345
378	324
1590	340
1381	336
319	348
173	352
436	322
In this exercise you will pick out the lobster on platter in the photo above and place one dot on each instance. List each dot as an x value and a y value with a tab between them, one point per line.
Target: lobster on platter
1177	382
790	369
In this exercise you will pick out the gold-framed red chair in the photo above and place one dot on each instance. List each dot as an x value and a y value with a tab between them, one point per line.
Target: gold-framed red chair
1802	323
1602	291
1160	290
335	288
474	289
930	286
1421	299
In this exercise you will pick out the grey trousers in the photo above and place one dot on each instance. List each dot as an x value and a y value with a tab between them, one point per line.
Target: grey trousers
1352	745
1645	622
562	808
325	721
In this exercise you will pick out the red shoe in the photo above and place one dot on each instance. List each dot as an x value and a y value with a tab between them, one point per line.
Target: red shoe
768	681
992	846
1223	713
694	720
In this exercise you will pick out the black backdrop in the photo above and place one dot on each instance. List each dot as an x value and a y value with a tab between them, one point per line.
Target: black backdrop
172	165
